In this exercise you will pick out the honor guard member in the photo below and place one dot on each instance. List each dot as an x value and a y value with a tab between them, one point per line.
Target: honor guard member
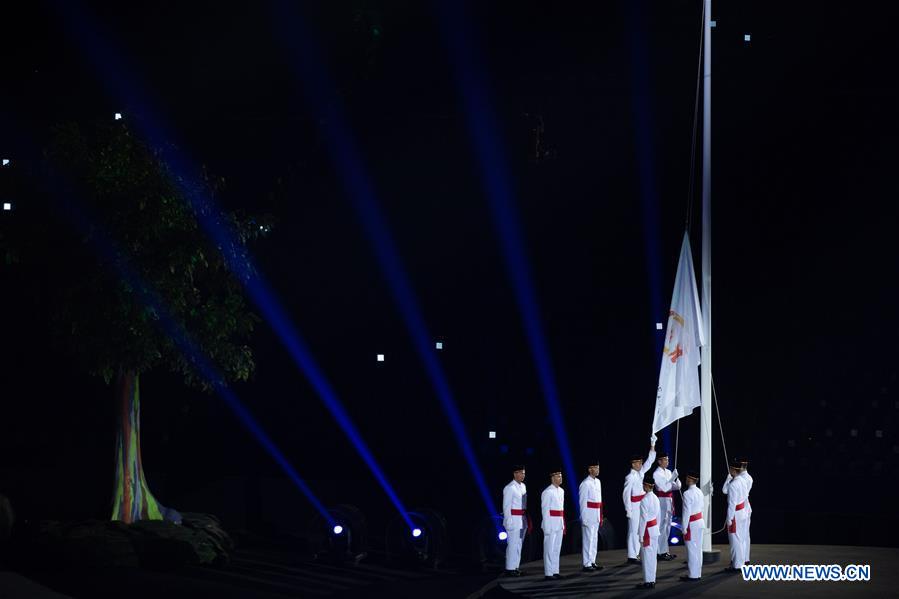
691	519
649	532
552	503
590	497
515	519
633	493
735	488
666	484
744	465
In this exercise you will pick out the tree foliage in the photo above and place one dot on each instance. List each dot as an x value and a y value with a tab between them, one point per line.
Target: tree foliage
147	241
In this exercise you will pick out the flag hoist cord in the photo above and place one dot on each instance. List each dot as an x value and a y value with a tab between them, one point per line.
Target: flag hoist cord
723	445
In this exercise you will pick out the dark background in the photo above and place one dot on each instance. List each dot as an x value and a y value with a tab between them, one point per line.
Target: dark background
804	253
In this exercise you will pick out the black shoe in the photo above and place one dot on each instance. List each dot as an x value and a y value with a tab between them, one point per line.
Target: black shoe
666	557
588	569
597	567
746	563
634	561
558	576
731	570
646	585
688	579
513	572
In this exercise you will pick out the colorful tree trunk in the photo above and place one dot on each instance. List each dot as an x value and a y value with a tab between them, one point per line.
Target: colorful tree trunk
132	499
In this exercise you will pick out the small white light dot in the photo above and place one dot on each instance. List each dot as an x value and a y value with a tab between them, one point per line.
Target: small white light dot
659	326
7	206
416	532
6	162
118	116
380	357
338	529
747	38
491	435
713	24
503	536
438	345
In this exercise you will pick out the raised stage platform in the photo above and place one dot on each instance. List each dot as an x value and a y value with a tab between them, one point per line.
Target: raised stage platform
617	579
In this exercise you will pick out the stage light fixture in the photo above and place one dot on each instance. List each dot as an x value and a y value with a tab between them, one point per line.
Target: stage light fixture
747	38
118	116
438	345
380	357
491	435
6	162
659	326
342	539
424	544
674	540
503	536
7	206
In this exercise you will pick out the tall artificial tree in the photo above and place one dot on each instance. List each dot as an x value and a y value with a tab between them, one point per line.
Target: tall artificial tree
145	241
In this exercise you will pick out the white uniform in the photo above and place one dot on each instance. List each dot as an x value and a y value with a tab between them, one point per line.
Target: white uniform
735	488
748	543
552	504
633	493
649	535
691	520
515	521
666	485
590	496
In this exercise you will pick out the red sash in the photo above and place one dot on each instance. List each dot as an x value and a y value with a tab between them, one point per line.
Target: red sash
596	505
693	518
666	494
652	522
559	514
517	512
637	498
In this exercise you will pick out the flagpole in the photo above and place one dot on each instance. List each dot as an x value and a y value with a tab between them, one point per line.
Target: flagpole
705	429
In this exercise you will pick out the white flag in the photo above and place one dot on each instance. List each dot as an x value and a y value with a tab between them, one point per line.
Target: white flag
678	391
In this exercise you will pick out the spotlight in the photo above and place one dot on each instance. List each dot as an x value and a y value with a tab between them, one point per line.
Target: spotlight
7	206
438	345
747	38
342	539
118	116
425	544
6	162
491	434
659	326
503	536
674	540
380	357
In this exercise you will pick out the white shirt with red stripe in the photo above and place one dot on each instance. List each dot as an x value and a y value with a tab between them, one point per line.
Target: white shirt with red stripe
552	504
633	486
590	496
650	511
512	500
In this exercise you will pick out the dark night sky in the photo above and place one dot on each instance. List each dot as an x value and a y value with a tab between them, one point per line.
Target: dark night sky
804	250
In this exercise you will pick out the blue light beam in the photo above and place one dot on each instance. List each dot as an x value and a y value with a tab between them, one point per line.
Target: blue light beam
123	86
472	82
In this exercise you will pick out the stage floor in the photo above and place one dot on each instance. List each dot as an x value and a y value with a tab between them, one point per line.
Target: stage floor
617	579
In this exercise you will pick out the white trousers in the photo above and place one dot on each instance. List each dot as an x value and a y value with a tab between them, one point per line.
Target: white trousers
665	505
650	554
590	538
552	546
694	549
748	542
738	543
633	536
513	548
